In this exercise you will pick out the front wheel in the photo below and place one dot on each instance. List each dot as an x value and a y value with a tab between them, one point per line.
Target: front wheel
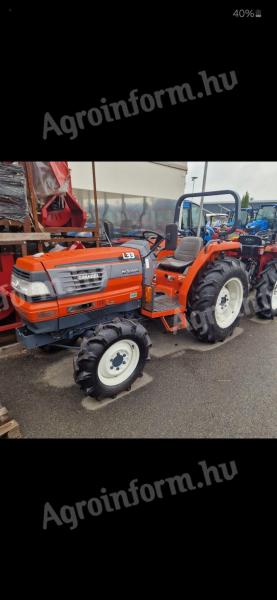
111	358
216	299
266	292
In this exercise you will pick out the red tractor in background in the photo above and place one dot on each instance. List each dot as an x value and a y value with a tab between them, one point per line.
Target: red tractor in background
259	254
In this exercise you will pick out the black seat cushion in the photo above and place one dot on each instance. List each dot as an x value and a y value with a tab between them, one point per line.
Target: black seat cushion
172	264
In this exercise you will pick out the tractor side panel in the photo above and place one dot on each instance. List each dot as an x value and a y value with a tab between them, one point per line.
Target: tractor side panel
168	280
117	292
269	255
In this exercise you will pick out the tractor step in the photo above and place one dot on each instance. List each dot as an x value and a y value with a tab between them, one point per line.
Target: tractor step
163	303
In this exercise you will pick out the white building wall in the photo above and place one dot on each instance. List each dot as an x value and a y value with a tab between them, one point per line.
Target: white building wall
134	178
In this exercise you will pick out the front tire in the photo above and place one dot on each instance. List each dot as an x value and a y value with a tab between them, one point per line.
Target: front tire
216	299
111	358
266	292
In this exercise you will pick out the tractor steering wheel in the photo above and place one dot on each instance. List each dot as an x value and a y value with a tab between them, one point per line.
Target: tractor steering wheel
145	234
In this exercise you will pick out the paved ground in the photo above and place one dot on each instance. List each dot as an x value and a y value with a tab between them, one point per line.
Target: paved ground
190	390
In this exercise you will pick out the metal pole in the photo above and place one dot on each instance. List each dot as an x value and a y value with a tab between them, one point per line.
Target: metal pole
202	197
95	203
32	195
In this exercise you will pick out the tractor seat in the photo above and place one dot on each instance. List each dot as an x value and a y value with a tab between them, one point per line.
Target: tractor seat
184	255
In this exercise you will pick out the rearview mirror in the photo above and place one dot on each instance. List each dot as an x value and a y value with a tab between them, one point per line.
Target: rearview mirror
171	236
109	229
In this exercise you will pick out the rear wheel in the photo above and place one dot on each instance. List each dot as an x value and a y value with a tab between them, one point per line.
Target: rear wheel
266	292
216	299
111	358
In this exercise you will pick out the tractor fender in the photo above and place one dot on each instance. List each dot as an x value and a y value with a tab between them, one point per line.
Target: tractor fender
208	254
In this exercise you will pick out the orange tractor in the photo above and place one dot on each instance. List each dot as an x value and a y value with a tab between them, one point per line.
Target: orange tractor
106	295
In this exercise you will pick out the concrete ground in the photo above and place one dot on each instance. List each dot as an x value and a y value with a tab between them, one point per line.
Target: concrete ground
189	389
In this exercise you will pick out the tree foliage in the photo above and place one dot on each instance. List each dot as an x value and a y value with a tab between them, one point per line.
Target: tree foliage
245	200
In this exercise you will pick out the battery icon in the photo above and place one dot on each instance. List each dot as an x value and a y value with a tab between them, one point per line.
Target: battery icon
258	13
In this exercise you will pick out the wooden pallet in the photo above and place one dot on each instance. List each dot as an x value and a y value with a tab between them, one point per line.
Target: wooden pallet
9	428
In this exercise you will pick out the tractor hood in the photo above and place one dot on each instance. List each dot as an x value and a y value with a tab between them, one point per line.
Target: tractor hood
66	258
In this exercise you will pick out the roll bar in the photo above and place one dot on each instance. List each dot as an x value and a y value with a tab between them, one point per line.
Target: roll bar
215	193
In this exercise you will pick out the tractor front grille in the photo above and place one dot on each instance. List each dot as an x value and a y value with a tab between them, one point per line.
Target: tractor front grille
78	281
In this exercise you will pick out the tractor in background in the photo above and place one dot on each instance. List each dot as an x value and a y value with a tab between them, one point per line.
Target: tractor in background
265	219
259	255
217	219
214	225
247	214
189	220
227	226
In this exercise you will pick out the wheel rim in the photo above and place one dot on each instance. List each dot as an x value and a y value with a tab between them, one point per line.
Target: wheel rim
274	297
229	303
118	362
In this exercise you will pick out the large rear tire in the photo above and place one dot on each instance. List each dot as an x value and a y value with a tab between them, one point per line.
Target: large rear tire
216	298
266	292
111	358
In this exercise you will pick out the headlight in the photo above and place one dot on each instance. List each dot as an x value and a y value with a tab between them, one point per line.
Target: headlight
30	288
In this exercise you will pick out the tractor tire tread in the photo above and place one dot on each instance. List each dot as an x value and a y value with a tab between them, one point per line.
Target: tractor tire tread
203	295
264	288
93	346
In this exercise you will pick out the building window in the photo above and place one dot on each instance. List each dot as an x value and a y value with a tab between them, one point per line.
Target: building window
128	212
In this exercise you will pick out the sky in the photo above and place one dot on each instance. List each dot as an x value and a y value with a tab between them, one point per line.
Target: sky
258	178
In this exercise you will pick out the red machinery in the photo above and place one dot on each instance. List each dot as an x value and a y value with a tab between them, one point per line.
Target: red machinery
52	183
6	306
57	207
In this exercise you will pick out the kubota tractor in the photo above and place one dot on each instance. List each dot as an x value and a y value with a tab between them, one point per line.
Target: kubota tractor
106	295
